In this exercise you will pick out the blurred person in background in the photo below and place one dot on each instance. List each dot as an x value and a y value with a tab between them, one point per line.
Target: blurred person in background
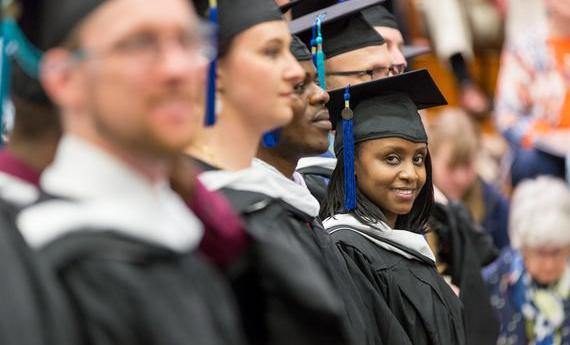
530	282
475	24
533	98
455	146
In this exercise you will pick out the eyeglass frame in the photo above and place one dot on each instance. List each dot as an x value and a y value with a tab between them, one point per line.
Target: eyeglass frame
391	71
205	39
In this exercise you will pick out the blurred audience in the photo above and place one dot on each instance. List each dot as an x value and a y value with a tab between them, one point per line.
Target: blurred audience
476	25
454	145
530	282
532	101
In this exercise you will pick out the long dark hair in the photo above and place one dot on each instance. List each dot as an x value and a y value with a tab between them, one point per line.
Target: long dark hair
369	213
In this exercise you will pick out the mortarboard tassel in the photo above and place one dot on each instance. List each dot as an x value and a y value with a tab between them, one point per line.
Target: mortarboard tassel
271	139
348	147
14	45
314	43
210	118
320	56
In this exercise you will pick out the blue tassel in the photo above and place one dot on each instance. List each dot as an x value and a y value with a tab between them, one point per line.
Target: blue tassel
320	56
210	118
6	71
271	139
14	46
314	44
348	147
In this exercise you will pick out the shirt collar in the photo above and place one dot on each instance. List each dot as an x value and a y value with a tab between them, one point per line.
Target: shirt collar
104	193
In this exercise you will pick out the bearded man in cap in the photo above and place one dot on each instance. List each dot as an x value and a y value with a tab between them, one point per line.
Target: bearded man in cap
118	237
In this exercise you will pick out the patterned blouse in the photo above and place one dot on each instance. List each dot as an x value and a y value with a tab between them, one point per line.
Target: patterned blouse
533	89
528	314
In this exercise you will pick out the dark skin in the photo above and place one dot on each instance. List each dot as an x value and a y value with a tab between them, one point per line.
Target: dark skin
391	172
307	134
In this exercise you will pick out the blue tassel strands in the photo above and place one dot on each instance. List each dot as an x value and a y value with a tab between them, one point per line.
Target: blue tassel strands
14	46
348	148
319	55
271	139
210	118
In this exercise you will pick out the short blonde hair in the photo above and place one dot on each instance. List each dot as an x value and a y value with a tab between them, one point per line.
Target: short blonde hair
540	213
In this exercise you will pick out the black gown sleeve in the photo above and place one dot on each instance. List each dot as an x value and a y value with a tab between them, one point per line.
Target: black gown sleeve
128	292
284	294
416	297
34	309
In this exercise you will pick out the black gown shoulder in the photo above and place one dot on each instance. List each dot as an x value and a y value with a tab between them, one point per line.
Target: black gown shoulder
285	293
34	308
416	295
126	291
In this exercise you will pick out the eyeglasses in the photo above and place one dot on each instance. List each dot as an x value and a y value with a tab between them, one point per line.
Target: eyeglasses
373	74
147	47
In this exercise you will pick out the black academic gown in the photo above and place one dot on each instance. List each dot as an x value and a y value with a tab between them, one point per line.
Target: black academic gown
127	291
284	292
417	297
466	250
33	307
370	320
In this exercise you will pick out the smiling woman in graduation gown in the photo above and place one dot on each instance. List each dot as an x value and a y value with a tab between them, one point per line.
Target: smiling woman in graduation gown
377	219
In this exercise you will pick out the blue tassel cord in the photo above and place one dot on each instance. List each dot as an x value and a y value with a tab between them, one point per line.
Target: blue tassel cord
348	148
271	139
14	46
210	118
320	55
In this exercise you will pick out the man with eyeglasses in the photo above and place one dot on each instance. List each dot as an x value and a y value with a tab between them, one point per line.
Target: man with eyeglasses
354	51
124	74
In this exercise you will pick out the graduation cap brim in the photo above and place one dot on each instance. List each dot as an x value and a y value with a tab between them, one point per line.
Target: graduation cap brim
411	52
329	14
418	85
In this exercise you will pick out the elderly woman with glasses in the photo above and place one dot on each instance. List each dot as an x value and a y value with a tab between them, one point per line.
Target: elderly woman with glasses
530	282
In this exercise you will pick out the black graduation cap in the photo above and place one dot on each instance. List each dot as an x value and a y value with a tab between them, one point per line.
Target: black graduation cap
236	16
58	18
382	108
300	50
380	16
343	26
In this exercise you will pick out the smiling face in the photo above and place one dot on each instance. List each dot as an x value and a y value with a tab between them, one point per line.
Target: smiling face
257	77
134	86
391	172
308	133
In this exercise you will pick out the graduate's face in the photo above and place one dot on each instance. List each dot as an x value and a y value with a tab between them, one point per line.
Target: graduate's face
136	85
257	77
308	133
546	264
394	42
391	172
373	58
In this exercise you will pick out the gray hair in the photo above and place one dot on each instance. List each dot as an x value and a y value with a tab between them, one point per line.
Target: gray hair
540	213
